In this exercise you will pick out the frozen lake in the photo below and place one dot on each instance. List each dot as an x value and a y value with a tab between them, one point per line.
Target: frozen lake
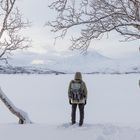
111	98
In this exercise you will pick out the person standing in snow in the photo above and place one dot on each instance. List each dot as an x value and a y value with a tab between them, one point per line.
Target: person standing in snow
77	94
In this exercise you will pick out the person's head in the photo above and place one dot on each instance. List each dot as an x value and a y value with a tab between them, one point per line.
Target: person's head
78	76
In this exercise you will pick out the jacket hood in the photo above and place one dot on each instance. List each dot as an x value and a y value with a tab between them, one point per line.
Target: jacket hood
78	76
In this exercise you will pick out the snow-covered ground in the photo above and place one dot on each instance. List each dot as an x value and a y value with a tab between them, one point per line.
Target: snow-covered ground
66	132
112	111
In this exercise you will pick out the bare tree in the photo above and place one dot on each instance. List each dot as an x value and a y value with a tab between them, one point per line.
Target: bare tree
94	18
23	116
11	23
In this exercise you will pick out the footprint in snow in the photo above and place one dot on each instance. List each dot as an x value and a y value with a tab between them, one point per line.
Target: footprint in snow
69	125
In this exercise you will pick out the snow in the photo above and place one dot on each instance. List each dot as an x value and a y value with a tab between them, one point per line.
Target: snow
112	111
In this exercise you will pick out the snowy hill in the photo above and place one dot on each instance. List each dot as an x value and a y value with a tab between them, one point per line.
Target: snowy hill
94	62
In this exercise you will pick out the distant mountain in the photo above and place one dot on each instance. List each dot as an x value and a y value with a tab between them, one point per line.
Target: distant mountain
92	62
77	62
70	62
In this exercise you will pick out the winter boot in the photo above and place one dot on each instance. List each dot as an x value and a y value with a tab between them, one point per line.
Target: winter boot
73	123
80	123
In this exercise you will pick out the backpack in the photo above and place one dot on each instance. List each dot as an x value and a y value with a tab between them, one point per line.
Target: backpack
76	90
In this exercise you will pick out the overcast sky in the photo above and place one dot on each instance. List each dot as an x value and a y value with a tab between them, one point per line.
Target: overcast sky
38	13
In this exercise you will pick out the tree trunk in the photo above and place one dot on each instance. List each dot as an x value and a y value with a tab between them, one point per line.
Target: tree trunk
23	117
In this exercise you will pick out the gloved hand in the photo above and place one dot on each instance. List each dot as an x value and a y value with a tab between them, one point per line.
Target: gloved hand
85	102
70	102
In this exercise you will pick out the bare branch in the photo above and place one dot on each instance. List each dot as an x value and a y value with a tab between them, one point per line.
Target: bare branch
11	25
96	17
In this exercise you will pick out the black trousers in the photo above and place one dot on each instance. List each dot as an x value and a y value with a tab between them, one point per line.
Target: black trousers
73	114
